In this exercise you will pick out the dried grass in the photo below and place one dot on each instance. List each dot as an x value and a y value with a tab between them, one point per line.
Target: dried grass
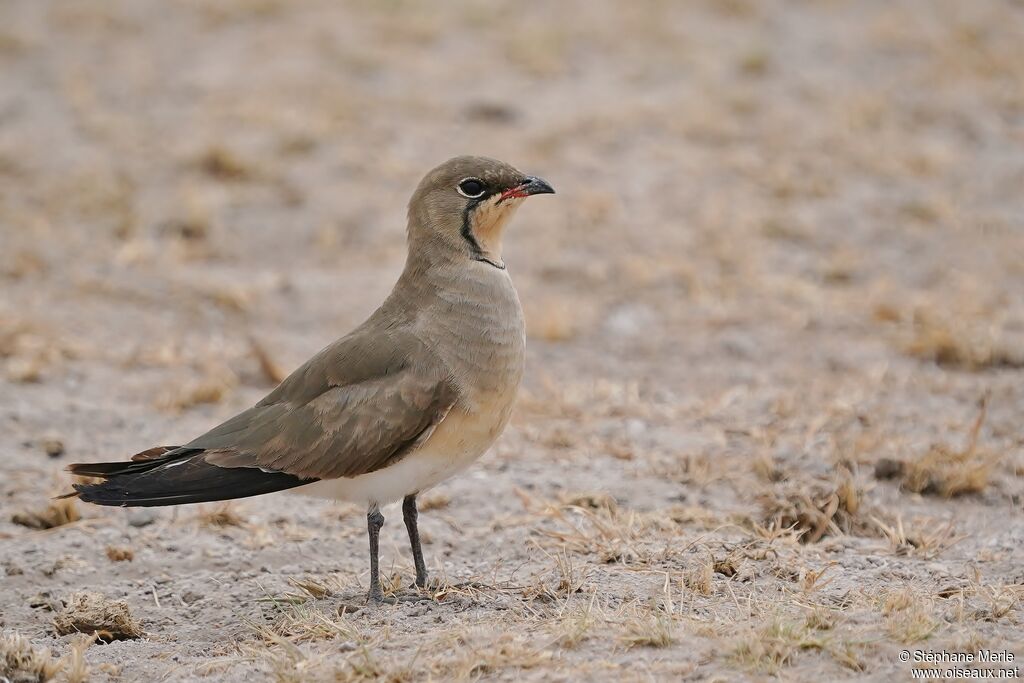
120	553
948	473
958	344
57	513
271	370
648	628
926	539
226	165
700	577
478	654
305	623
945	471
551	321
775	644
816	509
20	662
73	665
29	352
220	517
214	386
910	618
575	624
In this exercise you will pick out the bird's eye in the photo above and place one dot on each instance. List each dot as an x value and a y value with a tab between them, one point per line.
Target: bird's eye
471	188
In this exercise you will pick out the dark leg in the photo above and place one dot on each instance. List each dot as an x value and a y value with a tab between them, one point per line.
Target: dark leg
411	515
374	521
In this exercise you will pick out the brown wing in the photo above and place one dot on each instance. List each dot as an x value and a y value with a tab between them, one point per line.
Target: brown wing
343	432
357	406
354	408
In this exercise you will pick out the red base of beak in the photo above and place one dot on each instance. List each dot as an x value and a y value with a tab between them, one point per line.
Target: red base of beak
514	193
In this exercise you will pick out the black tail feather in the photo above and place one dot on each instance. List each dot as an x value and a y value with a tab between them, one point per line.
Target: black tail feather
181	476
142	462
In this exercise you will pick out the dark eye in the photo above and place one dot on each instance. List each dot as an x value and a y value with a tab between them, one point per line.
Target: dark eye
472	188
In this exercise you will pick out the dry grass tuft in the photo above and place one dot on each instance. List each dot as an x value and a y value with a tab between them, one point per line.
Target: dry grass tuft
22	663
816	509
73	664
551	321
948	473
591	500
286	661
649	628
433	501
774	645
566	579
28	352
272	371
614	534
945	471
924	539
821	618
220	517
575	624
58	513
479	654
223	164
120	553
1000	601
299	623
910	618
214	386
958	345
314	588
93	613
699	579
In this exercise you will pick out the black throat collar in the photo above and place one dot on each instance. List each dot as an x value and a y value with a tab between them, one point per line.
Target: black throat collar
483	259
478	253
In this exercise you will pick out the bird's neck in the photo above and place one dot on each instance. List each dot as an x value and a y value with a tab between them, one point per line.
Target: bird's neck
432	267
487	227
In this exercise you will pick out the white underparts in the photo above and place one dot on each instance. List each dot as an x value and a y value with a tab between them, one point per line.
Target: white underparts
455	444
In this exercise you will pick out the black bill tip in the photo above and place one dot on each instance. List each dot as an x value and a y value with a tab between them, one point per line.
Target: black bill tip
534	185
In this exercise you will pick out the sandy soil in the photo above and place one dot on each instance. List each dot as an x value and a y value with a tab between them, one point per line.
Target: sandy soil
772	418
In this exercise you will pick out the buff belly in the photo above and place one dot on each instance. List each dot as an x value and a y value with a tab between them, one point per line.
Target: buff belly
454	445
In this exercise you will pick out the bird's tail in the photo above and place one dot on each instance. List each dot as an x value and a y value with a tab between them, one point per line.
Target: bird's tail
174	476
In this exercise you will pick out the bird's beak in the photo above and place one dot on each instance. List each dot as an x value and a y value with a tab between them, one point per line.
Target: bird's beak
531	185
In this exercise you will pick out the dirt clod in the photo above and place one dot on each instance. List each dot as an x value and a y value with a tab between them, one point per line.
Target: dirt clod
88	612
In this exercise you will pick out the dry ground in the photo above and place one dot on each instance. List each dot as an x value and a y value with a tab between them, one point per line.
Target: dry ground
772	420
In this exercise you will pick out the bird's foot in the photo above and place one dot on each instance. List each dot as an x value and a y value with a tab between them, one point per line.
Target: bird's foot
376	597
381	601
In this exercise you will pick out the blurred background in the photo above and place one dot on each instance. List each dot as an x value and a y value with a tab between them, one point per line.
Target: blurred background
788	239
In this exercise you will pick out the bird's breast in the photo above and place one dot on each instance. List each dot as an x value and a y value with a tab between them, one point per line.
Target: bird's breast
477	328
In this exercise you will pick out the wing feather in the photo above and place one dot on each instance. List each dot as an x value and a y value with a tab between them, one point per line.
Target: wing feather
343	429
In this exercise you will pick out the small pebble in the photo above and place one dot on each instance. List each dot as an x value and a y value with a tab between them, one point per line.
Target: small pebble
140	517
53	447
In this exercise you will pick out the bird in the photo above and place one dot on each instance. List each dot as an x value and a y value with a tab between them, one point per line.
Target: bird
409	398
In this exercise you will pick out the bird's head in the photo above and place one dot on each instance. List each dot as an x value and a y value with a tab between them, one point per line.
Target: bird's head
462	206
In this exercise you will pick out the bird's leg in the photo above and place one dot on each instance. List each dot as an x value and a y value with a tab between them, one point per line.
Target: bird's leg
374	521
410	514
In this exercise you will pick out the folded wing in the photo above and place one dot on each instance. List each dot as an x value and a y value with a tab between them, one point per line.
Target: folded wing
356	407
